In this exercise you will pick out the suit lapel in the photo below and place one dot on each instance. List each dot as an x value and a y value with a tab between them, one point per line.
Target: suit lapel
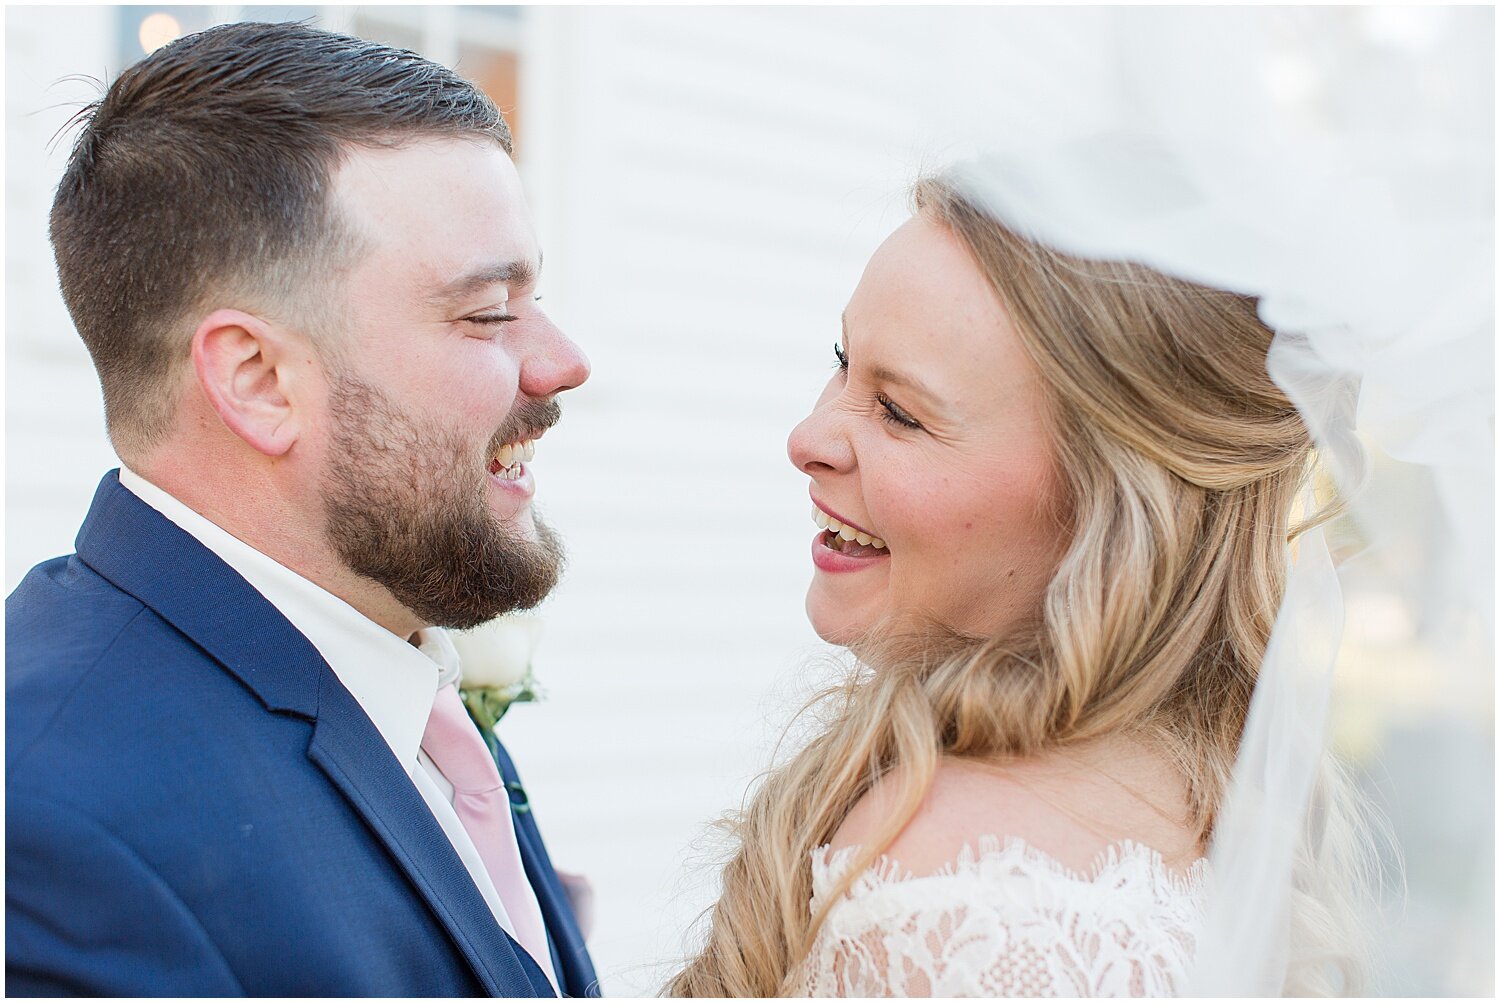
570	954
384	796
147	555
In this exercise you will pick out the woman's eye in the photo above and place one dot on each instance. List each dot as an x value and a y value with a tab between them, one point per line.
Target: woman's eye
893	413
838	353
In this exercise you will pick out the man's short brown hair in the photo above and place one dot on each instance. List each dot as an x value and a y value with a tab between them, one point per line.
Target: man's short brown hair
202	177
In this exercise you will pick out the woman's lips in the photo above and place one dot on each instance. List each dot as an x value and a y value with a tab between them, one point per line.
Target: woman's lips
826	558
842	545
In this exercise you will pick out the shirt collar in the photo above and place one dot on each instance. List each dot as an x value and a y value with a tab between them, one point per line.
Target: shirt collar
392	680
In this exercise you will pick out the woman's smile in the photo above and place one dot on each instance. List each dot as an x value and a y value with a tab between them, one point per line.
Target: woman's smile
844	546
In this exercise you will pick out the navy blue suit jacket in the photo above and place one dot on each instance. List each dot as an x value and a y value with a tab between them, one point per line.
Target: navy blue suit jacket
194	805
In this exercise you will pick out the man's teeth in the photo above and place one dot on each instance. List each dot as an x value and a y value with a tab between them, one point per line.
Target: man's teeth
510	456
511	452
828	522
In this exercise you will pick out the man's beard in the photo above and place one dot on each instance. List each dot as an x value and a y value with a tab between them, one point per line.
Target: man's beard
405	505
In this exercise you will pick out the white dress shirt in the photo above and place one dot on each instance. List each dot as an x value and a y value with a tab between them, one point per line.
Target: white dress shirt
392	680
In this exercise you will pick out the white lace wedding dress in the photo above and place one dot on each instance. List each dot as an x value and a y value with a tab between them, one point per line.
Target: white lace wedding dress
1009	921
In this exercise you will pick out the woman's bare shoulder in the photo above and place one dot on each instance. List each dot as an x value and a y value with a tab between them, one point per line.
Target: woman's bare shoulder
1071	806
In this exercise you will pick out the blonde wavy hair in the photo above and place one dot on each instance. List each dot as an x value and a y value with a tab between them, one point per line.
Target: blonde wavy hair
1181	464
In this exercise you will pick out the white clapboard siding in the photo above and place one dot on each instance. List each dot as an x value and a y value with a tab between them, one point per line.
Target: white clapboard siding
708	185
56	449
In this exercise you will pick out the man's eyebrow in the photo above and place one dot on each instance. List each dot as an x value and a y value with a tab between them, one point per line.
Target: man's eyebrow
518	273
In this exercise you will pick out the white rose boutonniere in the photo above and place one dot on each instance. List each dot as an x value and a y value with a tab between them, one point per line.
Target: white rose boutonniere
496	661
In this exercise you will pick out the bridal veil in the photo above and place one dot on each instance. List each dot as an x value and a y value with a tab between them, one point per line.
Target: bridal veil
1337	163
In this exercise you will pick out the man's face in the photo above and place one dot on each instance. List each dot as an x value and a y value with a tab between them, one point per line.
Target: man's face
440	382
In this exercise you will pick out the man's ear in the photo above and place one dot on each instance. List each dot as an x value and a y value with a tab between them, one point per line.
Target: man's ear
249	371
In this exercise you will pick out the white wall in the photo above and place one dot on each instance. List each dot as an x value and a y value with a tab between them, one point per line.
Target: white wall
708	184
55	444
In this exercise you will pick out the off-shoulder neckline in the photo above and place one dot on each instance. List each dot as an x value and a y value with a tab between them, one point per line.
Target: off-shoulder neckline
1125	856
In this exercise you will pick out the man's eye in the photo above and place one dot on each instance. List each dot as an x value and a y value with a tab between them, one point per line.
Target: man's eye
490	318
838	353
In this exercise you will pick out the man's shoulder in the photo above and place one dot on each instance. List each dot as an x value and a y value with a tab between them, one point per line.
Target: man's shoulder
83	655
60	623
64	608
63	618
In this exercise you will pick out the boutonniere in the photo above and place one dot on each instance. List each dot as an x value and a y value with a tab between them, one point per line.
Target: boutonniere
496	662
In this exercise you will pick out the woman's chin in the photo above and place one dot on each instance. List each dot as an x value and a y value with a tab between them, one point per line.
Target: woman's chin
840	637
834	626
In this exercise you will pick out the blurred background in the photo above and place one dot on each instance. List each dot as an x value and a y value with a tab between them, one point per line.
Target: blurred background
707	183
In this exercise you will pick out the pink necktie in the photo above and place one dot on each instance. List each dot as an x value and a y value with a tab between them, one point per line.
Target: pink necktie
483	806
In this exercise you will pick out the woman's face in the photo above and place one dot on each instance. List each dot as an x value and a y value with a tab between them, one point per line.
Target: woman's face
931	438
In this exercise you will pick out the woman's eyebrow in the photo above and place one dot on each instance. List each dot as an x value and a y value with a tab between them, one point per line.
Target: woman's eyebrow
885	374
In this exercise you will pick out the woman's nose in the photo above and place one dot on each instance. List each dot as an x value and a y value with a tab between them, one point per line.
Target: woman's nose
819	444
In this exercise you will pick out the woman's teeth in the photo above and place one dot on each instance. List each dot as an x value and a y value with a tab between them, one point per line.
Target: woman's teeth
506	463
845	533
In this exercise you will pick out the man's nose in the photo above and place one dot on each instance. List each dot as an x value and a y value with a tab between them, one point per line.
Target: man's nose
555	365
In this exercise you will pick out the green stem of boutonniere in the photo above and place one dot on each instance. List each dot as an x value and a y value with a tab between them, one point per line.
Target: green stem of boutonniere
487	704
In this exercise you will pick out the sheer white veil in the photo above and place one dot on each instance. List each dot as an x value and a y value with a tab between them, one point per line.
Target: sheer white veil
1337	163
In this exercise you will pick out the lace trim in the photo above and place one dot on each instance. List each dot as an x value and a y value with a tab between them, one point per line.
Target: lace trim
1118	866
1006	919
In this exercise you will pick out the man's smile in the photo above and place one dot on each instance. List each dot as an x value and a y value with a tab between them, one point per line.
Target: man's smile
509	461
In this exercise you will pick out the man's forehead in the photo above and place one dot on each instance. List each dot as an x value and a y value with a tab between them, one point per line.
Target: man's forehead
444	219
421	183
